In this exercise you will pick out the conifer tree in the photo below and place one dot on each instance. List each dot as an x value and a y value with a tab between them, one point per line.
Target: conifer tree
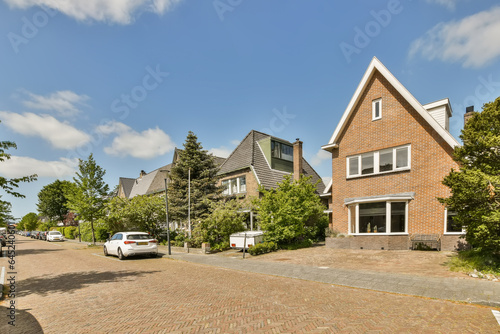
89	197
203	169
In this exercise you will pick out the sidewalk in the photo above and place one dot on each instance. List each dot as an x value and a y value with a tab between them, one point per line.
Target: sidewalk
456	289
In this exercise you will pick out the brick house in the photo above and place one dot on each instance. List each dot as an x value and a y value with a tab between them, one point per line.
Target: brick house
389	156
263	160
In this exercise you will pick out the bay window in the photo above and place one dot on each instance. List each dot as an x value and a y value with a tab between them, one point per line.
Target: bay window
386	217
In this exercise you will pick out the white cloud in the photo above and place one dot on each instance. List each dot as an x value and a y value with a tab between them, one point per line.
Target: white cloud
472	41
23	166
319	157
64	102
235	142
222	151
109	11
59	135
147	144
450	4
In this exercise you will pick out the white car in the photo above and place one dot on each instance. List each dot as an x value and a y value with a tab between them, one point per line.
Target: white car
125	244
55	236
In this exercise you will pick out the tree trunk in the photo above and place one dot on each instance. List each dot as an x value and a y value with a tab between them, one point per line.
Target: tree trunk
92	227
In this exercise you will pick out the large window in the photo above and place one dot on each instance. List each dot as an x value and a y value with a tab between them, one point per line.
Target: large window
386	217
378	162
235	185
281	151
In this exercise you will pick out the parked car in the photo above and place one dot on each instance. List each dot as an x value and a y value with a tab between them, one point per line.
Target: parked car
34	234
3	239
55	236
28	234
125	244
43	235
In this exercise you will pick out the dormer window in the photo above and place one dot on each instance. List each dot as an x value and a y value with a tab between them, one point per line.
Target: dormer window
281	151
376	109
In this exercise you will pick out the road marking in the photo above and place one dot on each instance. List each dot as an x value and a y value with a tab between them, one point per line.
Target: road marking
106	257
2	277
496	314
323	267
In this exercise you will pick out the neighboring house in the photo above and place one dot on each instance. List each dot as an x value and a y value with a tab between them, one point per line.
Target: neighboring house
389	157
263	160
150	183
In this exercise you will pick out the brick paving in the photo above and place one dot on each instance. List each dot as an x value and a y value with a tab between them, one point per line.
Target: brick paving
67	288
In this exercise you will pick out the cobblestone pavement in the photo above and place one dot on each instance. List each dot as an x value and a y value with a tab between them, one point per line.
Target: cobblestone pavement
67	288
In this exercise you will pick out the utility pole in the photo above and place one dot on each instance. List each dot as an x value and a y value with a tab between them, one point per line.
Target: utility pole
189	202
166	211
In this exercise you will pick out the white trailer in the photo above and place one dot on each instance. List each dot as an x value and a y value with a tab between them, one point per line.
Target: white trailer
237	240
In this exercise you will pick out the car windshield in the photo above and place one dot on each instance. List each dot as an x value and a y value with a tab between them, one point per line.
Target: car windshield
138	237
55	233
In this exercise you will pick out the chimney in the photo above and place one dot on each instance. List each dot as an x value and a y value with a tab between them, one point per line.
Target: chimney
469	112
297	159
143	173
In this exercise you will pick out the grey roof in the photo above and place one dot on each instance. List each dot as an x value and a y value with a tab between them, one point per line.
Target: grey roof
150	183
127	185
248	154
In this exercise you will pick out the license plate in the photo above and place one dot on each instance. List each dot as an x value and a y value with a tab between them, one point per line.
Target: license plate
142	243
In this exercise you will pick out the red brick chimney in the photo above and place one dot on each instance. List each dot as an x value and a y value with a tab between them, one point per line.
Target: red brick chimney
297	159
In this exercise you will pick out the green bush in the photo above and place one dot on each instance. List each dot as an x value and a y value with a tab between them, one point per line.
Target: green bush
220	246
101	234
179	239
262	248
298	245
69	232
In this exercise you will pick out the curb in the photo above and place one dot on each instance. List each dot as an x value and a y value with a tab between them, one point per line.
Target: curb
2	278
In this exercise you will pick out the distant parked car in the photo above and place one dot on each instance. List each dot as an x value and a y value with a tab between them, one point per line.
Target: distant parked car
34	234
55	236
43	235
28	234
125	244
3	239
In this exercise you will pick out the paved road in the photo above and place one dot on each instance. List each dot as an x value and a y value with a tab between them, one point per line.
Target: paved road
64	288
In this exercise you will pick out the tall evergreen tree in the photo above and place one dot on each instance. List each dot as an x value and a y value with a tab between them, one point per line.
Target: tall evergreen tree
89	197
203	169
53	199
475	188
5	215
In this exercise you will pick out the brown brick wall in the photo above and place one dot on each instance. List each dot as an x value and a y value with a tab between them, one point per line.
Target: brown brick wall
431	159
252	184
385	242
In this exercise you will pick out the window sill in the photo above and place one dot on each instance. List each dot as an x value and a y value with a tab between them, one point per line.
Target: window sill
379	233
380	173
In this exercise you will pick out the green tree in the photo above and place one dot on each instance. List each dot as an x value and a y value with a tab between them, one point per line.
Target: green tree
204	179
144	213
89	197
53	199
291	213
225	218
5	215
475	188
10	185
30	221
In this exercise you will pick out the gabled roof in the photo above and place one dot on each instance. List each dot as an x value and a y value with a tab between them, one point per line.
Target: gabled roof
248	154
150	183
127	184
376	65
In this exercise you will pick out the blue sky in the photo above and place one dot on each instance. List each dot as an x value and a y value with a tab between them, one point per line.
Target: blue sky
127	80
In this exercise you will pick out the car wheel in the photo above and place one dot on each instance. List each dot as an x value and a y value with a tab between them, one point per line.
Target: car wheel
105	251
120	254
153	255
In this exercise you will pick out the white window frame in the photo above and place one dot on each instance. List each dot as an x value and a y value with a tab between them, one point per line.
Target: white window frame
387	217
376	162
374	103
229	190
446	224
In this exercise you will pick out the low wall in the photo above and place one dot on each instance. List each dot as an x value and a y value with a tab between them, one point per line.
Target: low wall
453	243
385	242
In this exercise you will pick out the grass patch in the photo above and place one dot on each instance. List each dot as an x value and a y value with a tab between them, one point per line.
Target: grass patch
467	261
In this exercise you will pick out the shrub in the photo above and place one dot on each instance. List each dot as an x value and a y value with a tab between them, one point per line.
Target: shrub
331	233
179	239
262	248
101	234
69	232
298	245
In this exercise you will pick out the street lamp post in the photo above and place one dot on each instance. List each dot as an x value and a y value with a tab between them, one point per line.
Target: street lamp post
189	201
166	212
